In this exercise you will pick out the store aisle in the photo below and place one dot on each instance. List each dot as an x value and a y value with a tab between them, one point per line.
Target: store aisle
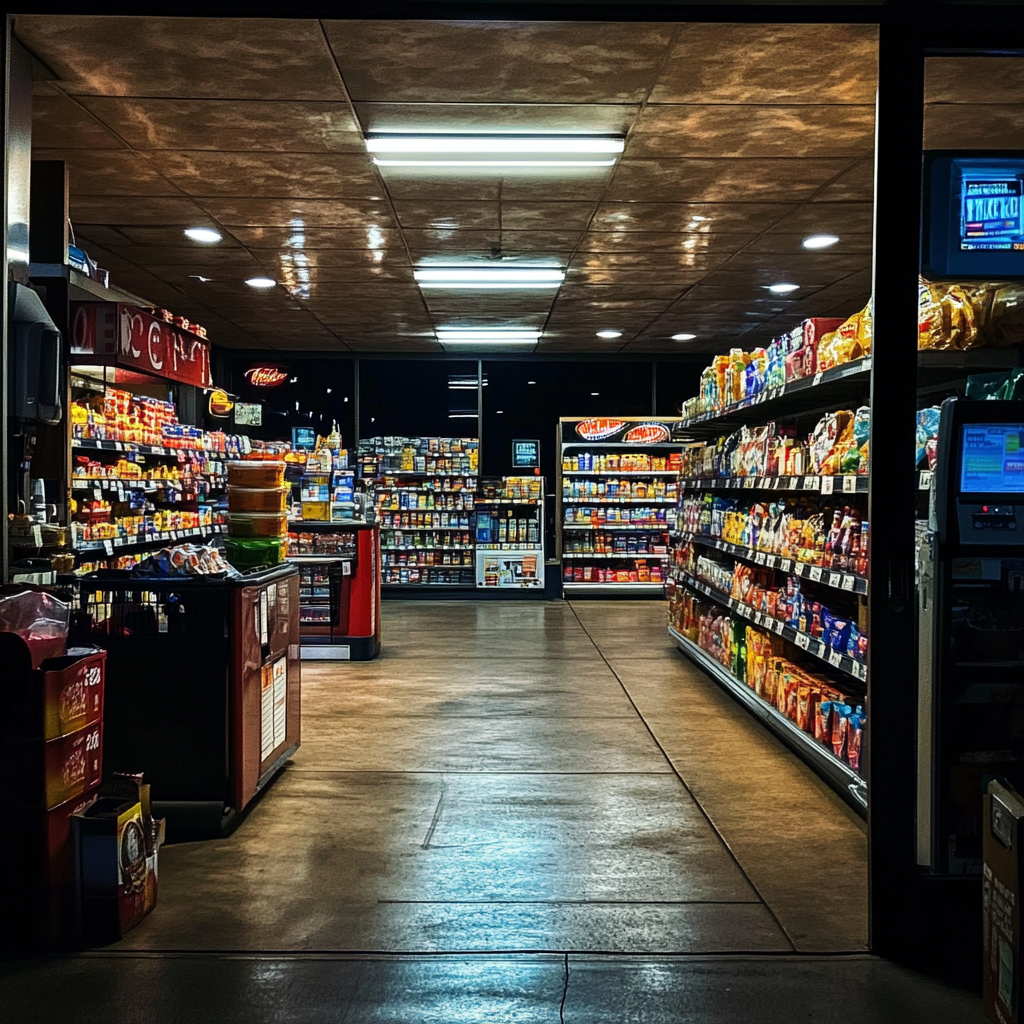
505	778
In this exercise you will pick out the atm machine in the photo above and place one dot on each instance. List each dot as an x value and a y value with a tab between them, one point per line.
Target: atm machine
971	637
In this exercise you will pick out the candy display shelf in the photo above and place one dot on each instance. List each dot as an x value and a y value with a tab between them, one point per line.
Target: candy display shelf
838	773
815	648
163	537
647	589
837	579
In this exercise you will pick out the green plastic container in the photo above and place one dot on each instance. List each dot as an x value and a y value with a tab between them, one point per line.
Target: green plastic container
253	552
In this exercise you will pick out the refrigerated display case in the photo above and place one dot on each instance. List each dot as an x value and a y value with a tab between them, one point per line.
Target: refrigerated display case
203	685
510	534
616	498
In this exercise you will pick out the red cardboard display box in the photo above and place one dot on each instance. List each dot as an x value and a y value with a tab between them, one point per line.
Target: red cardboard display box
45	773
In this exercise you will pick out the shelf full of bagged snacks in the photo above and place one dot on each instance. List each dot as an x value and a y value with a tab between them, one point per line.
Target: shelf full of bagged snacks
830	356
424	491
818	716
616	494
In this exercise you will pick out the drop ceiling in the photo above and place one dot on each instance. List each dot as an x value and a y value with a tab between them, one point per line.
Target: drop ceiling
741	140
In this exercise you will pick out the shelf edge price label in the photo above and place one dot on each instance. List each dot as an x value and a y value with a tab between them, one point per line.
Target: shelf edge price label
817	378
794	483
849	484
835	659
108	547
826	484
815	572
835	579
860	670
803	641
849	582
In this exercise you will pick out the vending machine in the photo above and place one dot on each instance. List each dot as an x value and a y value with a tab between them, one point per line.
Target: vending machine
971	645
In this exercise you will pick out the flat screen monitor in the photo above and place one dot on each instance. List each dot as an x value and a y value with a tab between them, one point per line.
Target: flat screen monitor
303	437
974	216
992	458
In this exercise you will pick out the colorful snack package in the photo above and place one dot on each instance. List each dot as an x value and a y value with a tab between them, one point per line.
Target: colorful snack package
854	737
840	728
823	723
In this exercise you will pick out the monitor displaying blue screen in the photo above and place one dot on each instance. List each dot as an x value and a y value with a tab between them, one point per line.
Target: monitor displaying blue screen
974	216
992	458
303	437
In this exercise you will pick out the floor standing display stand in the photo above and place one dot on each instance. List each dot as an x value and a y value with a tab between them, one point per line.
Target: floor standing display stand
510	534
203	686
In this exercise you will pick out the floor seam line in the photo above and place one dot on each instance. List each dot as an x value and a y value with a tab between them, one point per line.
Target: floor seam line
683	783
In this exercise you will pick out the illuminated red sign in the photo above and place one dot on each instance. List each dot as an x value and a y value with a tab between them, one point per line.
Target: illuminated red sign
265	376
116	334
647	433
598	429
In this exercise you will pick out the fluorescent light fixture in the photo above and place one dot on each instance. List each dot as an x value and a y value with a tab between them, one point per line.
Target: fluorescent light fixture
594	394
261	282
399	149
609	334
462	415
207	235
483	336
489	277
820	241
531	382
782	289
683	337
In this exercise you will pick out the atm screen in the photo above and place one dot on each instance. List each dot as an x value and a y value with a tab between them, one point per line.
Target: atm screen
992	458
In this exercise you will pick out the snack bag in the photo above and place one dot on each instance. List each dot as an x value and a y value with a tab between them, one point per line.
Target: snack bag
840	729
932	332
854	737
823	722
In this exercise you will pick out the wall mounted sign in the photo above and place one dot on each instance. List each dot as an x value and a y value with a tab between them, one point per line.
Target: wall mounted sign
525	454
265	376
248	414
116	334
220	404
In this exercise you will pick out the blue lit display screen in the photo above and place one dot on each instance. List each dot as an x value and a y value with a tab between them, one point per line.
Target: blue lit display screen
992	458
991	212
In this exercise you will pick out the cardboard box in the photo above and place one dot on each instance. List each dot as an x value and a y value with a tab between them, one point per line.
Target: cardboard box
46	773
1001	896
60	697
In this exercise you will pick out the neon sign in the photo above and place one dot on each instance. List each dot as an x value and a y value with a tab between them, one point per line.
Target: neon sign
265	376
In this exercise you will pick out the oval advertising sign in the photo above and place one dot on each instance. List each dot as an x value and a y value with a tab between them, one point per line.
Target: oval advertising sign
598	429
647	433
265	376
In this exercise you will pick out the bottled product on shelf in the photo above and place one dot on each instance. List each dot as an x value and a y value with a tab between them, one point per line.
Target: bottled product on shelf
509	533
611	516
619	462
621	489
817	345
776	674
425	456
639	570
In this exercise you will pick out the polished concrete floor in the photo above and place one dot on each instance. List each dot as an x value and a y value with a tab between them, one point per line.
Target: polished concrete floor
521	811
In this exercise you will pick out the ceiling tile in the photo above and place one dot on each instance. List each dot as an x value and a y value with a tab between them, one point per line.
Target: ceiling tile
854	185
543	215
587	291
108	172
149	235
451	216
745	218
200	257
638	280
570	186
974	80
719	63
779	242
724	130
827	217
314	213
277	175
800	266
497	62
60	122
125	211
709	181
434	186
372	237
364	259
695	245
973	126
666	262
187	124
605	118
262	58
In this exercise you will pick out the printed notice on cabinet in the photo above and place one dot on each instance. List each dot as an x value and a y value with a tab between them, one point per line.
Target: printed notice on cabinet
280	675
267	714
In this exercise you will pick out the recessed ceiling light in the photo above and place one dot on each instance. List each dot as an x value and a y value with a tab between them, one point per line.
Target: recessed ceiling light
782	289
820	241
609	334
261	282
683	337
594	394
484	151
207	235
499	411
531	382
490	277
